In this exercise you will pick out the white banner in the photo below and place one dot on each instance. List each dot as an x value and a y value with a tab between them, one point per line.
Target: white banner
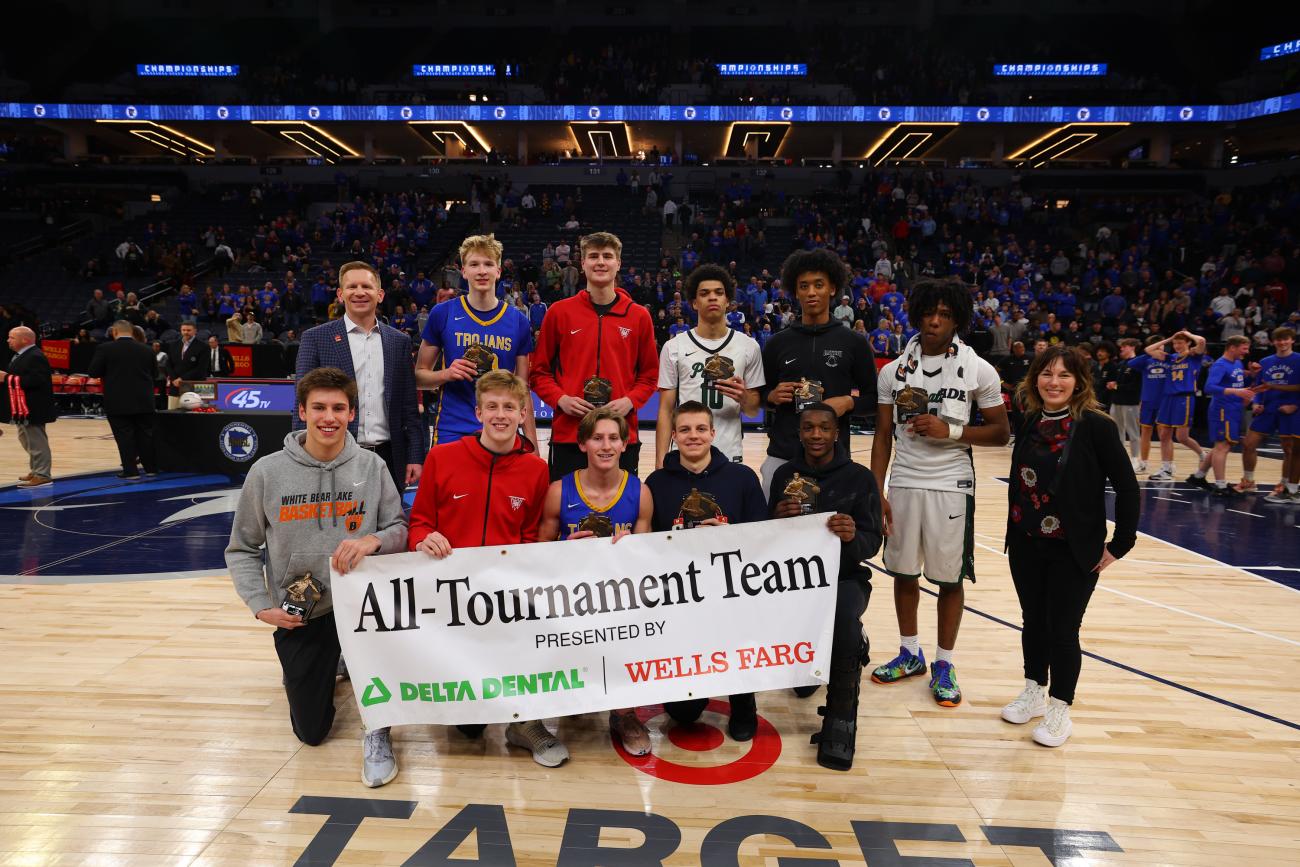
545	630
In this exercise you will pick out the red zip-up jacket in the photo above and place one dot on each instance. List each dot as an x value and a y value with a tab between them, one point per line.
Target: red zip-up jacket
475	497
576	344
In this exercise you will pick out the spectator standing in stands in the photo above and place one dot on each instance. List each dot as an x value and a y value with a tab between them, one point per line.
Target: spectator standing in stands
27	400
220	363
128	369
250	329
99	310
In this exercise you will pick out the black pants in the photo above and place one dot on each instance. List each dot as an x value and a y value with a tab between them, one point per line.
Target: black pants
309	657
134	437
565	458
396	470
1054	593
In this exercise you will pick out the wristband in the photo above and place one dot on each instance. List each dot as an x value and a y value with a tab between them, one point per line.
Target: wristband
955	431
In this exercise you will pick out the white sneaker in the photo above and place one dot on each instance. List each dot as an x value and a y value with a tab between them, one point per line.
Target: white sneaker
1162	476
1139	466
1032	702
1055	728
378	764
537	739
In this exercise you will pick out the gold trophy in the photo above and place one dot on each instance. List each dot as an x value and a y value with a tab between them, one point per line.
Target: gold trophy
804	492
301	596
698	506
598	524
810	391
481	357
598	391
718	367
911	402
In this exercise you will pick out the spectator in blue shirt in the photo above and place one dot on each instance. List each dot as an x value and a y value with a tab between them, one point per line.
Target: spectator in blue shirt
188	303
1113	306
879	337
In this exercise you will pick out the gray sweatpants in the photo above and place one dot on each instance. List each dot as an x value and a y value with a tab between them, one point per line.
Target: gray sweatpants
1126	419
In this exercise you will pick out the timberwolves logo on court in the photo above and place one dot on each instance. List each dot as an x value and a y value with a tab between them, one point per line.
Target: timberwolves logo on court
238	441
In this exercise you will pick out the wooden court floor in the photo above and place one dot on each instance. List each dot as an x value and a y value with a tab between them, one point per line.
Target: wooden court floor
144	723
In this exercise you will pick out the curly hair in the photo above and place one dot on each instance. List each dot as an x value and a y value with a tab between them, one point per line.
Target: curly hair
710	272
928	294
821	260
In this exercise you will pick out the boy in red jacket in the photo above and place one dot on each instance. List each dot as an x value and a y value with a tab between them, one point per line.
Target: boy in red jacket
595	349
487	489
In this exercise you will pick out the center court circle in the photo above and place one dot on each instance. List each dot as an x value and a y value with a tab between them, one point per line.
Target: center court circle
702	737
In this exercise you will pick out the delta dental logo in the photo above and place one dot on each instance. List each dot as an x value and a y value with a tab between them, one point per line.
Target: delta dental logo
503	686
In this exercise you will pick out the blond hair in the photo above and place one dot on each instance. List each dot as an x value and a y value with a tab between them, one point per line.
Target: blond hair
601	241
501	380
486	245
587	427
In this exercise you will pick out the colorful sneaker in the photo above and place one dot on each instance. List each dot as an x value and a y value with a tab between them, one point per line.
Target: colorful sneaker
1246	487
1032	702
535	737
902	666
378	765
1162	476
1055	728
943	683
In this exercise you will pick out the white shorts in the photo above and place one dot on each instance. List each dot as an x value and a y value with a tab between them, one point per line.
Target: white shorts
932	534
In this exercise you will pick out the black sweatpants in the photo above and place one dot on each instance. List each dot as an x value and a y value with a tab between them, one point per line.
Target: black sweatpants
850	602
1054	593
134	437
565	458
309	656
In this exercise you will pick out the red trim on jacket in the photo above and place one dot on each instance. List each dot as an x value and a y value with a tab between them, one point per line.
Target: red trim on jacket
576	344
475	497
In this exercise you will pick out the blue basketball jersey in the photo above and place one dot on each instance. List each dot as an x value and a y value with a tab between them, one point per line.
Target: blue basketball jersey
1154	374
452	327
1182	374
622	510
1276	370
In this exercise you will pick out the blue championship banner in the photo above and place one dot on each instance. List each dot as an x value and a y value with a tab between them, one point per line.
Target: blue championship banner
551	629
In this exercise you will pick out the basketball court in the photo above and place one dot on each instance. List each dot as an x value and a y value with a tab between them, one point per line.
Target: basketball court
144	723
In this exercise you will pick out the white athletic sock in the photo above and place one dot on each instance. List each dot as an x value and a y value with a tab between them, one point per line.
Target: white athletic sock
1200	474
941	655
1220	483
1247	477
1293	487
911	643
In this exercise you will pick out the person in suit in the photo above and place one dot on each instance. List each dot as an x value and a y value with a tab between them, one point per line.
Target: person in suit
27	400
378	357
127	368
186	362
218	359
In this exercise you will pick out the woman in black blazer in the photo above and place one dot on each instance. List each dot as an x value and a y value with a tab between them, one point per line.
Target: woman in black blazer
1065	453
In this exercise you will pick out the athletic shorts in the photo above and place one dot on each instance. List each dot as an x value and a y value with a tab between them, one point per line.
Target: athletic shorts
1270	421
1224	423
932	534
1150	409
1175	410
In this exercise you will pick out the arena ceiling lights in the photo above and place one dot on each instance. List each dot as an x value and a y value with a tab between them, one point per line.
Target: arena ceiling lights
1061	141
167	139
310	138
755	140
438	134
600	139
907	141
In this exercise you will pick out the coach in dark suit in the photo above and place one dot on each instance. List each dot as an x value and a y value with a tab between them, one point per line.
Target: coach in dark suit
27	400
128	368
186	362
378	357
218	359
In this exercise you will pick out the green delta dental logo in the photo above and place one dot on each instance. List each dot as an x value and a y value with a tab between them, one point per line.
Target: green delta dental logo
507	685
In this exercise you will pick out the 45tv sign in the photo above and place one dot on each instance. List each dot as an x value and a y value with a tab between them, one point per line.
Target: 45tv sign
246	399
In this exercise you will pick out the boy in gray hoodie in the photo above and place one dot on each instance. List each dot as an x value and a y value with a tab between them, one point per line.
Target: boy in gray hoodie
321	500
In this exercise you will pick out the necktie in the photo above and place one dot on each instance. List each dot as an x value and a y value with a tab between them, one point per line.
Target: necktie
216	362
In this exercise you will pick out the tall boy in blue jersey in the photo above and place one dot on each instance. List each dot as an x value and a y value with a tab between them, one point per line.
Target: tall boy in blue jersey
1175	415
478	319
602	489
1276	410
1226	387
1154	372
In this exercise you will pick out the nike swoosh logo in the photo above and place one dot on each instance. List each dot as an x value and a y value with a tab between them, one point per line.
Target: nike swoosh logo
689	354
951	517
790	361
575	331
457	318
572	506
458	496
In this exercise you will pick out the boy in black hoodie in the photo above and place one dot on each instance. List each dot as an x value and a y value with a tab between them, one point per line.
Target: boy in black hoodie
699	486
824	479
815	360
